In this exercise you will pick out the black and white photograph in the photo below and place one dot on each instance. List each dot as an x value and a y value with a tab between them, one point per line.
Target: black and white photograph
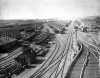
49	38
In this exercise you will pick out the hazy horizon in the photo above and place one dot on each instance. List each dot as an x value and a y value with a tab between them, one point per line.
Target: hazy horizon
47	9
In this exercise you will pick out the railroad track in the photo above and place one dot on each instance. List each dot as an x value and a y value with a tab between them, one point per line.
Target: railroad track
10	58
53	62
8	65
84	65
46	63
95	50
11	55
15	53
59	71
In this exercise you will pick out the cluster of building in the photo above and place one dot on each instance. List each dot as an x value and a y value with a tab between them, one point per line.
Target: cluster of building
32	42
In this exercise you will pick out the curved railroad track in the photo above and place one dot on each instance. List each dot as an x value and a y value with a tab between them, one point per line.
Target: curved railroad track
84	66
46	63
10	58
61	62
40	67
54	62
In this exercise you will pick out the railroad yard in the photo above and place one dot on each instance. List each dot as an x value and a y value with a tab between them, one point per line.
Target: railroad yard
49	50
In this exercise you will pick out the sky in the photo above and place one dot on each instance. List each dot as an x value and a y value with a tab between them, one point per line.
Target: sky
44	9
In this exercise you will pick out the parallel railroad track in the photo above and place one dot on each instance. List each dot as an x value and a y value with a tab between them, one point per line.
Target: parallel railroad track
93	49
54	60
81	66
10	58
46	61
11	55
40	65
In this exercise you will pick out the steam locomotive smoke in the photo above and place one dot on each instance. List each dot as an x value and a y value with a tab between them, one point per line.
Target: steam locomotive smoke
63	9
